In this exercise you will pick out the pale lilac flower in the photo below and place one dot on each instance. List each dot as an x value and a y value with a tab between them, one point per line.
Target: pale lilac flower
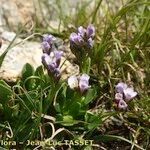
81	31
90	43
58	55
81	83
49	63
123	95
76	39
120	87
90	32
53	69
84	83
118	97
122	105
47	43
56	73
129	93
46	47
83	39
46	60
52	66
73	82
51	58
48	38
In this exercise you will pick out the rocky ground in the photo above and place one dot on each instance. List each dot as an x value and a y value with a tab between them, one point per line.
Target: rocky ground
17	14
22	51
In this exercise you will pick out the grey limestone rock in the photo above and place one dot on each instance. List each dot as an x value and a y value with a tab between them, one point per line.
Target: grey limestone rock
28	52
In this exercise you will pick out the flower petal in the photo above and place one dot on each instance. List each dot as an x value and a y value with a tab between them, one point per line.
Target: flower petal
45	47
46	60
118	97
58	54
81	31
129	93
84	82
90	31
90	43
75	39
73	82
120	87
122	105
48	38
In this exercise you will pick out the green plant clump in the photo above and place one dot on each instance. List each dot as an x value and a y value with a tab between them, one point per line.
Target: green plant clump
97	109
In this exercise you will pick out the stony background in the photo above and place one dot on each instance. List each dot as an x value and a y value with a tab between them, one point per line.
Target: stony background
17	14
29	52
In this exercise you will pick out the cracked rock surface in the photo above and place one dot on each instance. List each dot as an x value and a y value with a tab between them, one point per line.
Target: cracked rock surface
16	14
29	52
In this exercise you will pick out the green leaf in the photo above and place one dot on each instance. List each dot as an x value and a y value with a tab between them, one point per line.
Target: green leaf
33	82
74	109
39	71
93	121
6	50
90	95
57	108
1	107
15	110
87	148
27	71
5	92
87	65
68	120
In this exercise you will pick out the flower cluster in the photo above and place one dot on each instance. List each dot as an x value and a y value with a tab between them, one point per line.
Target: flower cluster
80	43
80	83
51	57
47	43
123	95
83	38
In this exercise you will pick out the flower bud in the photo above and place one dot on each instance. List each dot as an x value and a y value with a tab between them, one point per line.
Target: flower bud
120	87
84	83
46	47
58	55
122	105
46	60
76	39
48	38
129	94
118	97
73	82
81	31
90	32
